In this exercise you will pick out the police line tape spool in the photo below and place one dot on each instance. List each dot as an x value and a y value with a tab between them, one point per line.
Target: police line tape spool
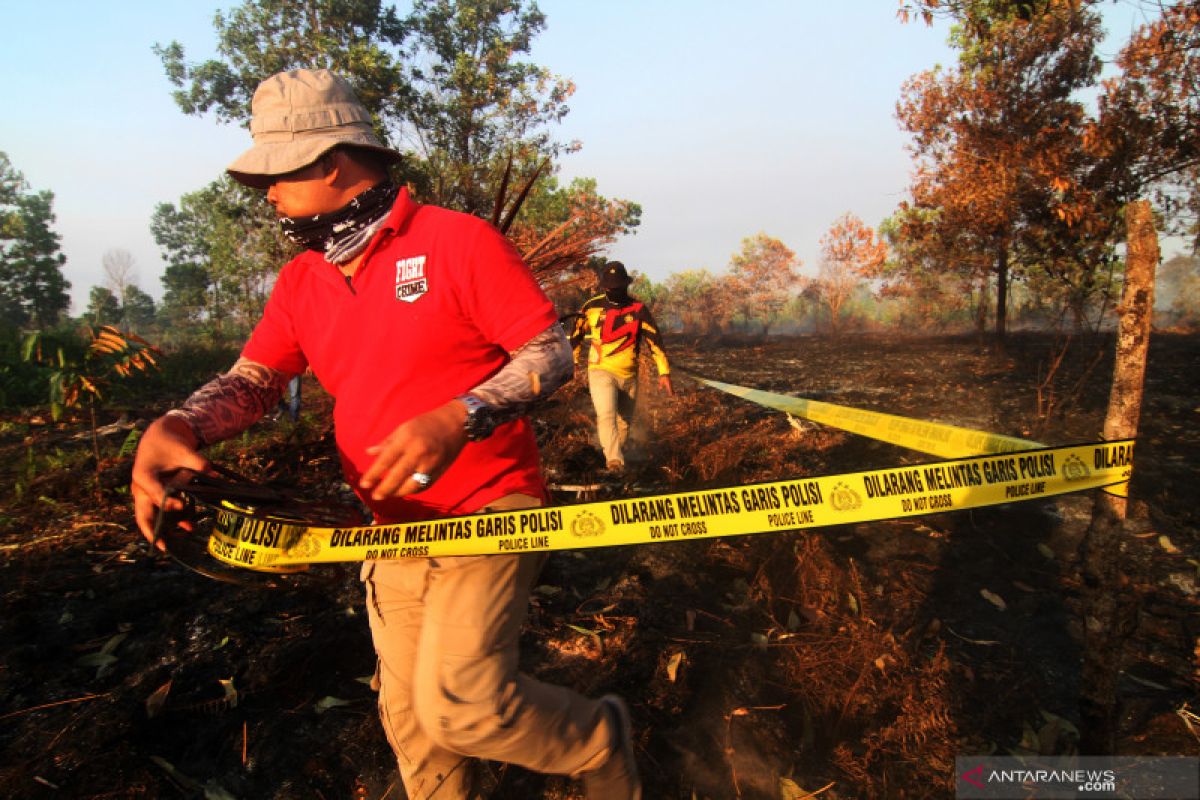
262	543
933	438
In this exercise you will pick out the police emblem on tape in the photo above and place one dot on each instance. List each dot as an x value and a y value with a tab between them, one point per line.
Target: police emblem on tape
1074	469
411	282
587	524
844	498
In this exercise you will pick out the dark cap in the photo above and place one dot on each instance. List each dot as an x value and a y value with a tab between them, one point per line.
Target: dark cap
614	276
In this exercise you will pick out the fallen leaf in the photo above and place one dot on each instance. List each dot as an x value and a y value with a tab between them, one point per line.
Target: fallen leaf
1166	544
1045	550
1024	587
155	702
215	791
852	601
582	630
759	639
673	666
793	622
1149	684
986	642
789	790
994	599
183	780
231	693
100	660
1064	725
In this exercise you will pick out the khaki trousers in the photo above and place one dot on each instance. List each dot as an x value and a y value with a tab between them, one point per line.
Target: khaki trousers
614	399
446	632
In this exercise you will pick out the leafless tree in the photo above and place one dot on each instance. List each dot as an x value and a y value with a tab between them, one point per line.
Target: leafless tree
120	272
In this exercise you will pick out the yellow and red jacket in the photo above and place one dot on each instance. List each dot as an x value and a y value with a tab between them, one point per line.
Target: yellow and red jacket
614	332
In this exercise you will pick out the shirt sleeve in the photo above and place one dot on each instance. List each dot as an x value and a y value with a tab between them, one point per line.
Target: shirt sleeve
273	342
500	293
580	330
654	340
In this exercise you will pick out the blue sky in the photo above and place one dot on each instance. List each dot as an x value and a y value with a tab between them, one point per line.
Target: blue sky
721	119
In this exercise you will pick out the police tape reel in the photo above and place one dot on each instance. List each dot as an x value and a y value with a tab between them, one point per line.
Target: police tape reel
188	535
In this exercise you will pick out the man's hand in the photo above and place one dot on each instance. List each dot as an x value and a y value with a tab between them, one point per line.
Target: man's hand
167	448
428	443
664	384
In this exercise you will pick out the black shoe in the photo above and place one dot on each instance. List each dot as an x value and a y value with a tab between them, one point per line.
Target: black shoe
616	778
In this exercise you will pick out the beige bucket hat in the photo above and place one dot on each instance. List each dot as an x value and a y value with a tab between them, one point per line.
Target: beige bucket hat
297	117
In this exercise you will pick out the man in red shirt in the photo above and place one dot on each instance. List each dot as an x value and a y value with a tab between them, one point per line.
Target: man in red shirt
424	325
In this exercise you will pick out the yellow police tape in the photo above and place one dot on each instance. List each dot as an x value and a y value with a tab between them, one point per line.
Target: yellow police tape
280	545
932	438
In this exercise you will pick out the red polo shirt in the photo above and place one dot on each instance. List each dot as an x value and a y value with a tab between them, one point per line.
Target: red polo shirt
439	302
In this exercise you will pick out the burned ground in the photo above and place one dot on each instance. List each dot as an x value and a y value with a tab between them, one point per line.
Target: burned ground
861	658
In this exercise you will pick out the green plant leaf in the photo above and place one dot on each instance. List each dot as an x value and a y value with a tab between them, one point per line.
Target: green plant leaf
326	703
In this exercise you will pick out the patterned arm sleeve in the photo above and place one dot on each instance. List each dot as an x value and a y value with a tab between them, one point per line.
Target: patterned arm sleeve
231	403
579	332
536	370
654	339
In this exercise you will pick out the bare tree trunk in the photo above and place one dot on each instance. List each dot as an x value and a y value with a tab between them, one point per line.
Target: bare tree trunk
981	308
1001	291
1110	611
1133	332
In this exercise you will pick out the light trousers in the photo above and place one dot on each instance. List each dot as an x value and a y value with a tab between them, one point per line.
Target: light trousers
446	633
614	399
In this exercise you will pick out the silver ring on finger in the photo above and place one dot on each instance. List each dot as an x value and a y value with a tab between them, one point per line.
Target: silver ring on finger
422	479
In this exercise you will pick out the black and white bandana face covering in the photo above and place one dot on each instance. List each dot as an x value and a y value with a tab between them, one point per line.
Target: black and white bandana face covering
343	234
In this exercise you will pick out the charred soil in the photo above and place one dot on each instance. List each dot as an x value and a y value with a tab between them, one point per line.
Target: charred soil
859	659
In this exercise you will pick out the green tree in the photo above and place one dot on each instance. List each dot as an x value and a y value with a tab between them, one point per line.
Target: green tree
938	280
357	38
185	296
652	295
103	307
476	102
223	238
138	312
446	81
33	291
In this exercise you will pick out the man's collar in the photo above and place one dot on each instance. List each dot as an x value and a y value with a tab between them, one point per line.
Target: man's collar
402	210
